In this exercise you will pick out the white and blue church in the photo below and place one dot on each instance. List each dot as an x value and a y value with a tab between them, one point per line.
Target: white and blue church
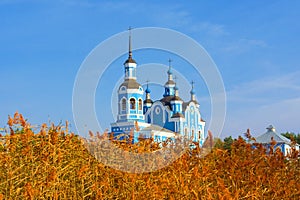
167	118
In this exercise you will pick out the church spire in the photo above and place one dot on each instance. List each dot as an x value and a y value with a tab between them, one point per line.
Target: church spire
170	69
193	96
129	46
130	59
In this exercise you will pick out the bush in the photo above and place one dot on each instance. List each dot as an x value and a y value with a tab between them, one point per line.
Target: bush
55	164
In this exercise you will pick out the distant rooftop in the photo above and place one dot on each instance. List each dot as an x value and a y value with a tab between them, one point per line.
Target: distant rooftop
271	135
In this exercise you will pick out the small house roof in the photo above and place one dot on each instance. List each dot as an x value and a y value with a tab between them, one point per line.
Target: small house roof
270	135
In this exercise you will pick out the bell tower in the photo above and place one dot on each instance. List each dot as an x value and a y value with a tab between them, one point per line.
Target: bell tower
130	93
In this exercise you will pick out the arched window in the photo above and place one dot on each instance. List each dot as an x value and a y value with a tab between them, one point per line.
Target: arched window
140	104
132	103
185	132
123	104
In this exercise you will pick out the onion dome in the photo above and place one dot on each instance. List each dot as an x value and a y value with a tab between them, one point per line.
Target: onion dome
148	90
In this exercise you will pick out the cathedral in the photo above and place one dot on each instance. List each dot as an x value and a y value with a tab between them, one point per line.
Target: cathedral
167	118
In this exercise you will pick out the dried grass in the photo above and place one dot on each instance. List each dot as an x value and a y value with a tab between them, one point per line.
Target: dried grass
55	164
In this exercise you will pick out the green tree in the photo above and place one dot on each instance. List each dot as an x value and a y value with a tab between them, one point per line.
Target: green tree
228	142
291	135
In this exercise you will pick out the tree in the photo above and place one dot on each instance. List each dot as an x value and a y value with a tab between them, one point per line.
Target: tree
228	142
218	143
225	144
292	136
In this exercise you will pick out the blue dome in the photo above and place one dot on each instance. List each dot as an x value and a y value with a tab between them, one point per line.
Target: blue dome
192	91
148	90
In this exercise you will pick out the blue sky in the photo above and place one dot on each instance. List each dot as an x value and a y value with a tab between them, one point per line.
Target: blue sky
255	45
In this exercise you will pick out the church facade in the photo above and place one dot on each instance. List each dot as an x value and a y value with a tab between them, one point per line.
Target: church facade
168	117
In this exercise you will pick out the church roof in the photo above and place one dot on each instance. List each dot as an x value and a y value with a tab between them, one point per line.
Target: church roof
154	127
148	101
196	102
184	105
176	98
130	84
130	60
170	82
177	115
271	135
166	101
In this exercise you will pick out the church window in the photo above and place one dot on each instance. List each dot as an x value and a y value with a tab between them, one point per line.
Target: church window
157	110
123	104
140	104
185	132
199	135
123	88
132	103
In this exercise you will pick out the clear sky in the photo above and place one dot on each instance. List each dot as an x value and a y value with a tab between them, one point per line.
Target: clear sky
255	45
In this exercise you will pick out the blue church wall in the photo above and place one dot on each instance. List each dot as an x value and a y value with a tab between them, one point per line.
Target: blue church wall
158	116
192	126
149	119
136	113
170	126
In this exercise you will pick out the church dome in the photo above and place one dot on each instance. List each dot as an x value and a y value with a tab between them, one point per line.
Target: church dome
170	82
130	84
148	90
129	60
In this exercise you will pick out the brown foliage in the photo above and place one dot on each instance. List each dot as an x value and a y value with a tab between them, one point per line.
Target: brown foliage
54	164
